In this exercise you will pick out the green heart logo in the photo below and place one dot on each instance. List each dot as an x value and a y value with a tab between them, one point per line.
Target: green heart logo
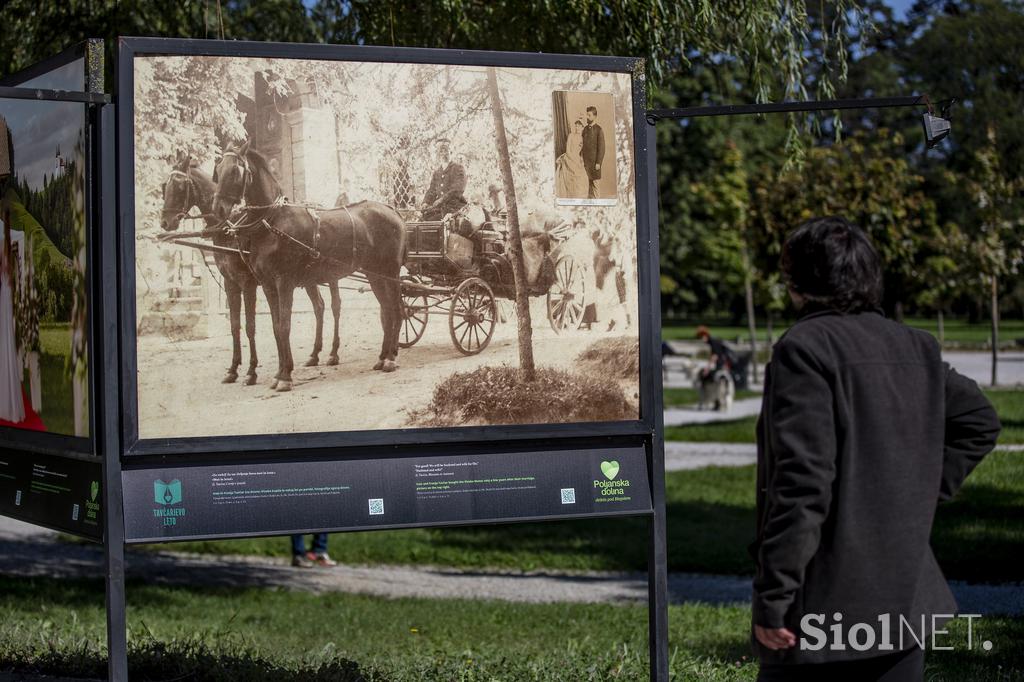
610	469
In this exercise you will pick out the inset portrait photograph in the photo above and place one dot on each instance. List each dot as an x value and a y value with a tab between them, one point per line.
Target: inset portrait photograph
584	124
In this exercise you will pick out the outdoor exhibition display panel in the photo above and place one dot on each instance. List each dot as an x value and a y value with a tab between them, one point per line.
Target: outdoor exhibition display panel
242	163
50	473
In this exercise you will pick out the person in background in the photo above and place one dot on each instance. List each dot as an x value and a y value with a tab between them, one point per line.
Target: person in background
863	431
719	354
317	554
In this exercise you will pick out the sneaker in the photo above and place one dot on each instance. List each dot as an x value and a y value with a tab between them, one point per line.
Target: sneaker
321	559
302	560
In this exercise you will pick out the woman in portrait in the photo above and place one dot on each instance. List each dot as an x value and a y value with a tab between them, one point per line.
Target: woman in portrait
571	177
12	406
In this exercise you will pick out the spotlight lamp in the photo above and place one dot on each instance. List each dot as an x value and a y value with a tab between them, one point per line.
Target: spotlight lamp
936	128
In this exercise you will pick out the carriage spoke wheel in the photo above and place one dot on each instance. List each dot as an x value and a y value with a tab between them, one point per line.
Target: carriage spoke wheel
472	315
415	311
567	296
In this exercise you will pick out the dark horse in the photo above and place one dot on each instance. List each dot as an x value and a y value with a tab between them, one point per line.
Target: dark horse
188	188
291	246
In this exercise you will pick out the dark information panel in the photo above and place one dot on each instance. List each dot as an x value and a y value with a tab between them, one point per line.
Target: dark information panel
294	496
58	492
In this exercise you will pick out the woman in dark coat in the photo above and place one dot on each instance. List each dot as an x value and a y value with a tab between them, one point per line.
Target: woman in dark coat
863	431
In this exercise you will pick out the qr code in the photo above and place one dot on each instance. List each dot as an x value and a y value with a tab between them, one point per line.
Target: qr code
74	512
568	495
376	507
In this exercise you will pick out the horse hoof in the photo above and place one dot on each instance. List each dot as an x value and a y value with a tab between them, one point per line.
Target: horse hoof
229	378
390	366
283	386
333	360
250	380
312	362
379	365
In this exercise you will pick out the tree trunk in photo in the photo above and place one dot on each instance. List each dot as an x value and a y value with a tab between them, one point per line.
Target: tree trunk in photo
748	286
523	322
942	329
768	327
897	311
995	329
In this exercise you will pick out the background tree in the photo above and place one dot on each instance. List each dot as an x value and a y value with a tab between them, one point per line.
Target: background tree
997	248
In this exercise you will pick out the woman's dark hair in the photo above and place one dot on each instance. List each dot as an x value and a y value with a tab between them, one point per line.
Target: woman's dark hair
833	264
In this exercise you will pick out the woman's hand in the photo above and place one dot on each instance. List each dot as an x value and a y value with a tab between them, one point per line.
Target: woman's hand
775	638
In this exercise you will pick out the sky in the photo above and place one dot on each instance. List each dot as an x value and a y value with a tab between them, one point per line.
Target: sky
901	7
38	128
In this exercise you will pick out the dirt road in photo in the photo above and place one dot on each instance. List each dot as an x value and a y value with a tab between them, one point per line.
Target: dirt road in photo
180	389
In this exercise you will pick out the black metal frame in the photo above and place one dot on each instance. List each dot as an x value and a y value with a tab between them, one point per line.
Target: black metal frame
655	115
347	443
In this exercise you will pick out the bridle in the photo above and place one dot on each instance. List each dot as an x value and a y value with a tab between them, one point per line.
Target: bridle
190	191
246	171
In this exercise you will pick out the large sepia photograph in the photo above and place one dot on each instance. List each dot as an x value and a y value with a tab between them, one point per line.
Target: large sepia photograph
43	292
327	246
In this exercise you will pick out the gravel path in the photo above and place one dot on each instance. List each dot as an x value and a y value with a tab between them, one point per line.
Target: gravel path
678	416
686	456
31	552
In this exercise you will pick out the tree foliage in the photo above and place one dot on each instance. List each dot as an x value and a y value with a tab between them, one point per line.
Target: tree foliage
768	39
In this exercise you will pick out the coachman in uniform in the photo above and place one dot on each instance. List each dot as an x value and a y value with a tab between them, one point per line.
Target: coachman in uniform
447	186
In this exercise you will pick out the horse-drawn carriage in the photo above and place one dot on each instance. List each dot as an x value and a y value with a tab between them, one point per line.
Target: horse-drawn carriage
458	267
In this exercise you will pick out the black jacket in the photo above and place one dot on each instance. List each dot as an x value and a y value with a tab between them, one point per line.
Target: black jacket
863	431
446	184
593	150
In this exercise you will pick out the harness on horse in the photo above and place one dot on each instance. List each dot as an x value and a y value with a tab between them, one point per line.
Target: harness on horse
247	221
314	251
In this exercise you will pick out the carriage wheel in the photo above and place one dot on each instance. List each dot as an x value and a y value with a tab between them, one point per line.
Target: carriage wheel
472	315
567	296
415	311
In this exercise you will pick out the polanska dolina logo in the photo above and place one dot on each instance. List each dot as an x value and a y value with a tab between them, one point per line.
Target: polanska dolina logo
612	488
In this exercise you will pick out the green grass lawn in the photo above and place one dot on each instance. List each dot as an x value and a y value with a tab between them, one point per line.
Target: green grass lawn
1010	406
710	523
957	332
733	431
688	396
254	635
58	413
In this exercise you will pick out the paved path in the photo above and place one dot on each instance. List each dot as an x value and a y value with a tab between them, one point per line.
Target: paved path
678	416
978	366
686	456
32	552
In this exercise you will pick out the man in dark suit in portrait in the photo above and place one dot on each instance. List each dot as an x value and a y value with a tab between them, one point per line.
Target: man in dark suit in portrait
593	151
447	186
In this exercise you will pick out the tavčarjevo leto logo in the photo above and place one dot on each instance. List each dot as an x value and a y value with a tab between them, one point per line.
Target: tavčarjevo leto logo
168	495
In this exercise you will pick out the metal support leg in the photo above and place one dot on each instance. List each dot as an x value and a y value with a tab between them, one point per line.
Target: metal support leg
657	553
109	442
